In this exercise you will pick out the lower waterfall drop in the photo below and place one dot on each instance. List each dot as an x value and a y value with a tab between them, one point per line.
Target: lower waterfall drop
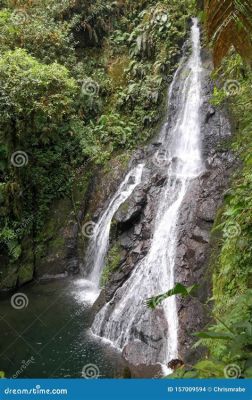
100	239
126	318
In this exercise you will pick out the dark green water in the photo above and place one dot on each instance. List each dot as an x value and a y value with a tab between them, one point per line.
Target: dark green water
50	337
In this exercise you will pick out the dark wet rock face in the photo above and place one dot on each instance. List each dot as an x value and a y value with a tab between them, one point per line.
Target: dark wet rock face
133	227
197	216
133	354
130	211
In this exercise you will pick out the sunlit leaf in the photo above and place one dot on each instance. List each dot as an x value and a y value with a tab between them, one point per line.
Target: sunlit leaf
179	289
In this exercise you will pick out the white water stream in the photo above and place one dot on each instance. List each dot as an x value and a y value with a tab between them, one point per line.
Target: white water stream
121	320
99	244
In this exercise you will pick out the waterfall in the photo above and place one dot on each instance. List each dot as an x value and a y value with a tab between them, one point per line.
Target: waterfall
126	318
99	244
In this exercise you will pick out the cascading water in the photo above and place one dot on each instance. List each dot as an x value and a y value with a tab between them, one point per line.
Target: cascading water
100	239
126	317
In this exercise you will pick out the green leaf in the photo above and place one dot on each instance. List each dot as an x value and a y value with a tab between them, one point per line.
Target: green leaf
179	289
178	374
214	335
191	375
209	368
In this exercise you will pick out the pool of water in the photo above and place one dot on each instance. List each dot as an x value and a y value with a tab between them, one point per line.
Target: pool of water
46	334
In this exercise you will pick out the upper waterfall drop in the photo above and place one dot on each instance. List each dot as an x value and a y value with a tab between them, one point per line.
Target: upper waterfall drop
98	247
126	318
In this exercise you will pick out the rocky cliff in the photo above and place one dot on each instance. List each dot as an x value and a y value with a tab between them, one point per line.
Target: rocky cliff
133	229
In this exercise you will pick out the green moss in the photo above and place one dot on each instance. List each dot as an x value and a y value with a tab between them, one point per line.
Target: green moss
68	125
25	274
9	280
120	162
116	70
124	207
112	263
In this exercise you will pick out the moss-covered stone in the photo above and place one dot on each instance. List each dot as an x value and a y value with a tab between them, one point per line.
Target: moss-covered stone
25	274
116	70
124	207
51	253
112	263
9	280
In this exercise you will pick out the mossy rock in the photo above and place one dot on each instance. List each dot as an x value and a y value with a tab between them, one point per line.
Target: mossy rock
124	208
116	70
25	274
9	280
113	260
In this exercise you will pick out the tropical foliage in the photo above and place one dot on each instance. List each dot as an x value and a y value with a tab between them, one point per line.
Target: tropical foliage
232	271
80	80
236	339
229	23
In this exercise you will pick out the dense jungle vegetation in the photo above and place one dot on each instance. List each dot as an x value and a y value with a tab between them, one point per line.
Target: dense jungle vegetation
83	82
80	82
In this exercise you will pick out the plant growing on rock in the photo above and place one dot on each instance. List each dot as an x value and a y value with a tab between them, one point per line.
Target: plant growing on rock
237	339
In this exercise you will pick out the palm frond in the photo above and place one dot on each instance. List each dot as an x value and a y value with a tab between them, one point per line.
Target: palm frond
229	23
